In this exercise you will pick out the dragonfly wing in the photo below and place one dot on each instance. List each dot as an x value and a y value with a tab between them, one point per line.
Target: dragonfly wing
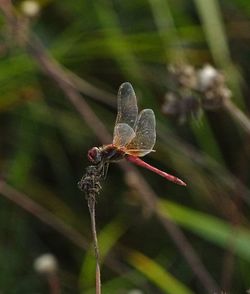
145	134
123	135
127	110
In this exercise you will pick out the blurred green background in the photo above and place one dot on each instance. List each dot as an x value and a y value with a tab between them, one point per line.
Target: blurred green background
44	141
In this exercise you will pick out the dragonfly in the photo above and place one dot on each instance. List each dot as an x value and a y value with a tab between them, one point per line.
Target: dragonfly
134	135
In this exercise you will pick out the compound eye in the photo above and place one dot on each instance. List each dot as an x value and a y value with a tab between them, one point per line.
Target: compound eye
94	155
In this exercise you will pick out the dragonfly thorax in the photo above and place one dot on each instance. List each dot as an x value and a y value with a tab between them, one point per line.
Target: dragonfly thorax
108	153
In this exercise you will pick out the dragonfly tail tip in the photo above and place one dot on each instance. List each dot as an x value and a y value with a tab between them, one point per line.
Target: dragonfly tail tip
180	182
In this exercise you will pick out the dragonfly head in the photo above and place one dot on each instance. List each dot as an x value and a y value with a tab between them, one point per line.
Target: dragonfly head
94	155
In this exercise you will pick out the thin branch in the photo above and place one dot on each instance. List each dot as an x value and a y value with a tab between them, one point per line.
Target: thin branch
52	69
54	283
90	184
90	90
237	114
41	213
189	253
91	205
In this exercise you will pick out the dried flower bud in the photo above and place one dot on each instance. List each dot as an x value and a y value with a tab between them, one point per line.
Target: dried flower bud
188	77
30	8
181	107
214	98
171	105
183	75
46	264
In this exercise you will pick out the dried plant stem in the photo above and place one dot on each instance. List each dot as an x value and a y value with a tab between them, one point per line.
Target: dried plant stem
54	283
237	114
228	266
189	253
41	213
90	184
52	69
91	205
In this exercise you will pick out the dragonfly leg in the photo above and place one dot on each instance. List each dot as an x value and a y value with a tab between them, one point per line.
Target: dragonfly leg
105	170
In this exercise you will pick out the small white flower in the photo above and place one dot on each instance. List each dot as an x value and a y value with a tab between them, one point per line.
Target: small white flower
46	264
206	76
30	8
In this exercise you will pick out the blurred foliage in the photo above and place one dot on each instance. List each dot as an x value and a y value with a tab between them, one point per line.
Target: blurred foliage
44	142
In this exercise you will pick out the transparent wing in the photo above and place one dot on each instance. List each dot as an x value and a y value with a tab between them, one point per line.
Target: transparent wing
127	110
145	134
123	134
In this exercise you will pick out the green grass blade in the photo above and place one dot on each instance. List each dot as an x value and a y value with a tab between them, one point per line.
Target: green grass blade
209	227
156	273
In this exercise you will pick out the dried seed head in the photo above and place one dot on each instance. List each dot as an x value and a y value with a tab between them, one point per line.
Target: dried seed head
194	90
212	86
90	182
183	75
181	107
